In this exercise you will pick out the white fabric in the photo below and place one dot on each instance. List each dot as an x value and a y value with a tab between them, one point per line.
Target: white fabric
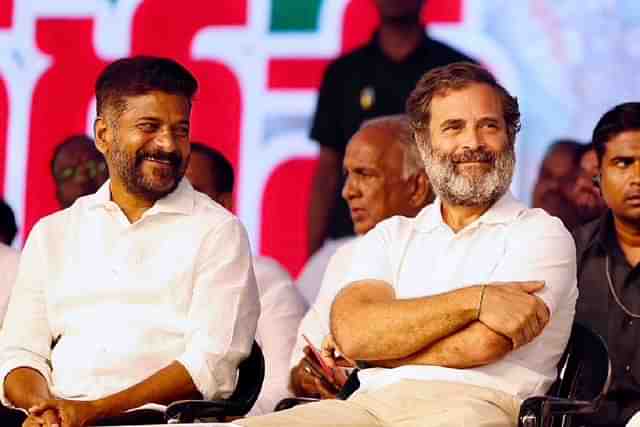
311	276
509	242
315	324
281	309
9	258
125	300
634	421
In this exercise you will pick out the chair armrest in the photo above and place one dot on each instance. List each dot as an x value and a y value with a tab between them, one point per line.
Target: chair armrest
290	402
536	411
186	411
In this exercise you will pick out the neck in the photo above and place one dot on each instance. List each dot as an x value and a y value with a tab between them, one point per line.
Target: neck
132	206
458	217
399	39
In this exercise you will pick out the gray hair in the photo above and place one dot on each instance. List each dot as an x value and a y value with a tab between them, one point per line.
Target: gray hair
400	126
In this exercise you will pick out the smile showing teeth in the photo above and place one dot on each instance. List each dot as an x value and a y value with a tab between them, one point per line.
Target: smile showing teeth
153	159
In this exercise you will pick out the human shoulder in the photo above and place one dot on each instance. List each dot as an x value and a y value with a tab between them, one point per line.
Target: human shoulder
348	63
585	234
445	52
536	229
211	213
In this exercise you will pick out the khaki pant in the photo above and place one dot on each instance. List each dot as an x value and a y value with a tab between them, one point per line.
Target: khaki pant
407	403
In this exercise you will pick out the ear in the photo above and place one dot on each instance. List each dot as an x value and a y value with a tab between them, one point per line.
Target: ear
422	192
226	200
102	134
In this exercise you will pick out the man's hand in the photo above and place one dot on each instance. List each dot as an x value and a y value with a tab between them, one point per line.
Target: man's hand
48	418
511	310
307	382
69	413
331	355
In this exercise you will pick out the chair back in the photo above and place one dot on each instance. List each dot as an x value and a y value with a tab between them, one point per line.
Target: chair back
584	372
251	373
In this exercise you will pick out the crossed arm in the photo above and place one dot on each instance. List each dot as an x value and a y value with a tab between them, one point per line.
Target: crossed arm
451	329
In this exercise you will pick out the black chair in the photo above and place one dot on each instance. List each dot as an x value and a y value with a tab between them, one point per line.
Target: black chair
250	378
584	376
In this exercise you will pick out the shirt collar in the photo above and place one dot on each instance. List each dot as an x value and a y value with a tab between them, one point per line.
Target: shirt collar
180	201
505	210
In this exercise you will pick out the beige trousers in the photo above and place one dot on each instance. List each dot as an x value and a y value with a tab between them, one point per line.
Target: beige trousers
407	403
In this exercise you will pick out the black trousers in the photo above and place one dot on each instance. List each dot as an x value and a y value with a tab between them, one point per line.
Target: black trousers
13	418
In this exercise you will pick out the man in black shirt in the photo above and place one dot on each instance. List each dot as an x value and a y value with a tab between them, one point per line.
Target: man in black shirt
608	256
372	81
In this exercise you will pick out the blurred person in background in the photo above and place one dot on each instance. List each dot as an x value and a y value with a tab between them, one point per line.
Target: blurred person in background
586	195
9	257
371	81
78	169
281	307
557	179
385	177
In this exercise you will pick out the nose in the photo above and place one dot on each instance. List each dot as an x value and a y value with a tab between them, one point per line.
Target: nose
166	140
472	140
349	189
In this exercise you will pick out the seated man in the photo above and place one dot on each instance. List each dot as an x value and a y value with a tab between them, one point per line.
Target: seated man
384	150
141	293
608	253
281	307
465	309
78	169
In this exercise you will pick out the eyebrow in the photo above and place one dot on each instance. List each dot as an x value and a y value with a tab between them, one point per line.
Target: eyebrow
451	122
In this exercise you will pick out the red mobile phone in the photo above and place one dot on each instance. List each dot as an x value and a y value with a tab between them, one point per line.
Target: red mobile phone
328	372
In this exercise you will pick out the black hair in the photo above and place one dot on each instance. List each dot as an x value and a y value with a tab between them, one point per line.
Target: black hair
621	118
8	227
68	141
139	75
222	168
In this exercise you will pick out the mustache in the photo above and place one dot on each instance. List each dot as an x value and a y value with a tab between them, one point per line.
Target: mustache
479	155
174	158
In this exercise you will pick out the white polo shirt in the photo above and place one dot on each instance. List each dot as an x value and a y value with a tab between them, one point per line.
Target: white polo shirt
123	300
422	256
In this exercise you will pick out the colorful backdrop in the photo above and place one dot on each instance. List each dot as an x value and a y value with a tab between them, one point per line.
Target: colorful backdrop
259	63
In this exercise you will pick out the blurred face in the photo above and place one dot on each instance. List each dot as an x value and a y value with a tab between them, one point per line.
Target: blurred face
467	154
147	147
399	9
552	191
201	174
620	174
374	188
586	196
78	170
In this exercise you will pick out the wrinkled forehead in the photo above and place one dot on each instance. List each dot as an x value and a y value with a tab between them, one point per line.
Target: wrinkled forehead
474	101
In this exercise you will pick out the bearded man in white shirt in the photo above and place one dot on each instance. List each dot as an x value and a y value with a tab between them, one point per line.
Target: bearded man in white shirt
141	293
466	309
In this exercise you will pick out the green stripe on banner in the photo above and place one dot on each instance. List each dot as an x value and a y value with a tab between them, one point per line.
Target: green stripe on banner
294	15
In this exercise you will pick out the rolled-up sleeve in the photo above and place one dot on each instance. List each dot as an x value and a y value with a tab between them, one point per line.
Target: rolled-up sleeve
25	338
224	311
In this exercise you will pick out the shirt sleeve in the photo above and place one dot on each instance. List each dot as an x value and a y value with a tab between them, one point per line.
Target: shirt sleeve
224	311
370	260
326	128
542	250
25	338
281	310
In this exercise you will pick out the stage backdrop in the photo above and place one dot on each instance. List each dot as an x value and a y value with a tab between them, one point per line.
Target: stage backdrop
259	63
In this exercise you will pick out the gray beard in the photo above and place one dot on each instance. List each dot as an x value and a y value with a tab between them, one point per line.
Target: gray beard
468	190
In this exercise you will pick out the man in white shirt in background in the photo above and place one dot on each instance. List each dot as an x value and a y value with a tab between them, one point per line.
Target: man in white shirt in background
384	176
465	309
141	293
281	307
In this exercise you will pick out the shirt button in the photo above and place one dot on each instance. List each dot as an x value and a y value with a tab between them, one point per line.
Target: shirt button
627	368
630	322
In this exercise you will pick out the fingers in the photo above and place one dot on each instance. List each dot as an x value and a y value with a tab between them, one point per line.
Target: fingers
51	419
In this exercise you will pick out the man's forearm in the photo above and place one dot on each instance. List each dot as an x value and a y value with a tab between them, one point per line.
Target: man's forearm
369	323
475	345
324	188
26	387
165	386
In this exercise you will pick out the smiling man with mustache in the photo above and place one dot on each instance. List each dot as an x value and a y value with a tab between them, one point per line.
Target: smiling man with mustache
464	310
608	251
143	292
